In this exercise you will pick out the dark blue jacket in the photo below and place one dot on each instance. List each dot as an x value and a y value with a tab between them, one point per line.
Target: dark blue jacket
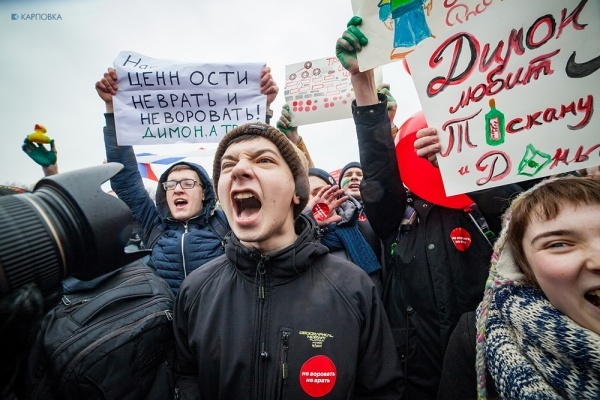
182	246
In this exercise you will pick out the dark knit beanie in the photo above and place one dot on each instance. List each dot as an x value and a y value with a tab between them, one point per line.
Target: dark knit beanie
322	174
353	164
286	148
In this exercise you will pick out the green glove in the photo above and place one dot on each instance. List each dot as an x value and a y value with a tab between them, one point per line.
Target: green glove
352	40
392	106
39	153
284	123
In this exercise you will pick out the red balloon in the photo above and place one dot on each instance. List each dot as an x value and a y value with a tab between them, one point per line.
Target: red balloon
418	174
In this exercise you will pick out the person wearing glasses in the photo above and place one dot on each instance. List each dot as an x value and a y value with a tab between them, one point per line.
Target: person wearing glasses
180	227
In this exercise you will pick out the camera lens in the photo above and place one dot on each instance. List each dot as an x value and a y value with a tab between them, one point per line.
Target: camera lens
67	226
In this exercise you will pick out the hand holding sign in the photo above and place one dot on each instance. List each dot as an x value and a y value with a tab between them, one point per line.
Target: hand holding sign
417	173
351	42
107	88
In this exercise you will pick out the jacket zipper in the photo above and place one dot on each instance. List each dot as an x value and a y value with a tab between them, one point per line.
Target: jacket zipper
285	345
263	354
185	231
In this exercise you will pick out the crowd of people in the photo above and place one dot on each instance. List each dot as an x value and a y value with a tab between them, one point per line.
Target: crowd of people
352	286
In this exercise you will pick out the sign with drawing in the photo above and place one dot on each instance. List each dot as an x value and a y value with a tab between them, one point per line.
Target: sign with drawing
164	101
512	93
319	90
396	27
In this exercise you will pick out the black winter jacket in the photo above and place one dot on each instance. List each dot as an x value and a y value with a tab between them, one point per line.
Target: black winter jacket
459	376
294	323
439	267
182	246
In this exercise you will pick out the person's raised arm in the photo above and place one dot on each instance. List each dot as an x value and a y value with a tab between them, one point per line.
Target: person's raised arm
45	158
127	184
382	192
284	124
107	88
269	88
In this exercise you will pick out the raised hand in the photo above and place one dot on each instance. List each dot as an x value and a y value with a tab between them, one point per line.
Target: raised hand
392	105
268	86
332	197
428	145
284	124
107	88
351	42
39	153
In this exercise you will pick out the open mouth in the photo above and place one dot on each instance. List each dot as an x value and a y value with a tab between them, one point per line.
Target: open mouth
246	205
593	296
354	186
180	202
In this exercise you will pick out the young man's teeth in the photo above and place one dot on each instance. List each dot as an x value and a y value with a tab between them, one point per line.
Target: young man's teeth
241	196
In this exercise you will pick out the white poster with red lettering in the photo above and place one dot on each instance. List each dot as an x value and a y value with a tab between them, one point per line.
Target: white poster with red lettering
165	101
512	93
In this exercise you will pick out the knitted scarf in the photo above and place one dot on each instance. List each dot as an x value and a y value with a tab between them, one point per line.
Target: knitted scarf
346	235
532	350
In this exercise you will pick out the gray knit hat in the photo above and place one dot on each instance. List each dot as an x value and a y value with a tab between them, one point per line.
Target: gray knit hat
353	164
286	148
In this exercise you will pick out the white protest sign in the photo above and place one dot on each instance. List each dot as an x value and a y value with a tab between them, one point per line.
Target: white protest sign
512	93
319	91
395	28
164	101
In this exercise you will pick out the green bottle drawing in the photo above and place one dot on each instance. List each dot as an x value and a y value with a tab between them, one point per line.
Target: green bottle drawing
494	125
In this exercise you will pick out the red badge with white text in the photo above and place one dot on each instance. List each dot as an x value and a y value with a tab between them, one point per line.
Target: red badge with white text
321	211
317	376
461	238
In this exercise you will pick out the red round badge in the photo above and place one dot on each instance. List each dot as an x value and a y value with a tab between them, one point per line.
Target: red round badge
461	238
320	211
317	376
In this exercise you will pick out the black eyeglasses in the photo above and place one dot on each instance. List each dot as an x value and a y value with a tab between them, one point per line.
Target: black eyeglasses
185	184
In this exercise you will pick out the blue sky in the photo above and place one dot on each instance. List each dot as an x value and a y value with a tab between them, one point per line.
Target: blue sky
49	66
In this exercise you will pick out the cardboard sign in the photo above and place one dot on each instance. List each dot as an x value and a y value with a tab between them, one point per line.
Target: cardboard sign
512	93
164	101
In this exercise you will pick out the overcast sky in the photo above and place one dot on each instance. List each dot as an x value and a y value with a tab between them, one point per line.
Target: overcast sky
49	67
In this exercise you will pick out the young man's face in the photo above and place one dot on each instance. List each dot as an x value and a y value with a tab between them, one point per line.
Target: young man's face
257	192
564	255
350	182
185	203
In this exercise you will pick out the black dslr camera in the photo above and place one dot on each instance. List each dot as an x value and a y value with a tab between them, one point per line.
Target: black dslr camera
66	227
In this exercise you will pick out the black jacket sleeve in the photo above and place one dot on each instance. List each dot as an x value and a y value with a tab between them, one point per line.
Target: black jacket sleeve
459	377
382	191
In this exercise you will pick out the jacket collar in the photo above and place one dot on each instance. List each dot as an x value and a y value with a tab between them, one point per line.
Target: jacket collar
285	263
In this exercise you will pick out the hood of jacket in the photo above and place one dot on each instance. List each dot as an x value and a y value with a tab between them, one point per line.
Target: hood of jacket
209	192
285	263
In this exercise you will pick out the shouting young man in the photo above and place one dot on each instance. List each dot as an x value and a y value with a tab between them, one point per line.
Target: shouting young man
277	317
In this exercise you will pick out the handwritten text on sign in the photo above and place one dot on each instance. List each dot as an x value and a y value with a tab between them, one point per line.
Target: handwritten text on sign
512	93
163	101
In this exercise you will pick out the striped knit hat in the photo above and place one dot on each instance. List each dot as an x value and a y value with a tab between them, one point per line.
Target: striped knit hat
286	148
